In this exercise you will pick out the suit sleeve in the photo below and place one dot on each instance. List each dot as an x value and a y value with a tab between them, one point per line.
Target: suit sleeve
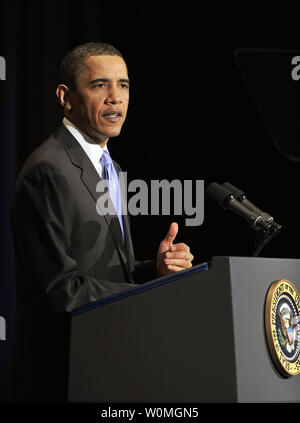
42	215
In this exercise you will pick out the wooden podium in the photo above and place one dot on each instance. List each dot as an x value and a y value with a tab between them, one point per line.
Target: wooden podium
198	336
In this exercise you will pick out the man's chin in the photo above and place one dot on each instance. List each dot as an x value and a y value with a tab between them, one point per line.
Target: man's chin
110	133
102	138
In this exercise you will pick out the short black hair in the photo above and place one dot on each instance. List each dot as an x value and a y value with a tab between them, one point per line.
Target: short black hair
73	63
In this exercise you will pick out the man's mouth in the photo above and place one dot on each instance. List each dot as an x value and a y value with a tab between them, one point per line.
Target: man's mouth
113	116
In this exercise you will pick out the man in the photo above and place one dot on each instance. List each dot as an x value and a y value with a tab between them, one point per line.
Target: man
67	253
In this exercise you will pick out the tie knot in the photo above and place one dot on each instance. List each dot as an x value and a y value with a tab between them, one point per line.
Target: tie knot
105	158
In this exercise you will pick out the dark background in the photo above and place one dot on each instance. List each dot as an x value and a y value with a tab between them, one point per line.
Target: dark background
191	115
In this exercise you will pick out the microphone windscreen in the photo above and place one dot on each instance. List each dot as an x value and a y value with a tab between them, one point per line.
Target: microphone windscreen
218	193
237	193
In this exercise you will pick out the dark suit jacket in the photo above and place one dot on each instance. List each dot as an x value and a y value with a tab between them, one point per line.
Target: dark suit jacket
66	255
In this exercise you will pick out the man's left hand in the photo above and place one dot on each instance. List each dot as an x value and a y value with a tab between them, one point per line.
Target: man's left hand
172	257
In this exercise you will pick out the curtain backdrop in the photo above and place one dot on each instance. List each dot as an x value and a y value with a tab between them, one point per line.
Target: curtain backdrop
190	114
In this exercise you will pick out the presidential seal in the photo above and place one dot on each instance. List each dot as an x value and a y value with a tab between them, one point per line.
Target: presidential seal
282	324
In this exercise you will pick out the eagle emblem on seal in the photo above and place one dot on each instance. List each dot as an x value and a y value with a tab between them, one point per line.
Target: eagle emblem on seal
286	333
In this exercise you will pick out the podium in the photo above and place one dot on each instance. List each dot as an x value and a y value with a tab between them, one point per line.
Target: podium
197	336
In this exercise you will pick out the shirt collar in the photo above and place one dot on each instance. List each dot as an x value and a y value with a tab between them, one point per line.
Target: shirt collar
91	148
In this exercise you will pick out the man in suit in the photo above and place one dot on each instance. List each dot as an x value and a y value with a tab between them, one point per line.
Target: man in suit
67	253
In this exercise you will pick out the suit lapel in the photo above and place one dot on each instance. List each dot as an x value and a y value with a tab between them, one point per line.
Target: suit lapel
127	232
90	179
129	246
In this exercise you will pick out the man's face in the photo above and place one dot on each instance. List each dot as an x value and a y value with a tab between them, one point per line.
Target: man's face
99	102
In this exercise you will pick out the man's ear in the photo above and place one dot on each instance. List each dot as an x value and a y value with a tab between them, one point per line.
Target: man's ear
64	96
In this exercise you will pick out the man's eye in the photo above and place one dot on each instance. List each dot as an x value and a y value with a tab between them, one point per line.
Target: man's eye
124	86
99	86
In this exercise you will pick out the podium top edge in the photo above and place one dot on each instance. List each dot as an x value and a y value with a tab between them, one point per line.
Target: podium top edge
255	258
136	289
141	288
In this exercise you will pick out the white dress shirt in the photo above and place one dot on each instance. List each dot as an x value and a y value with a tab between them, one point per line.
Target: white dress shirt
93	150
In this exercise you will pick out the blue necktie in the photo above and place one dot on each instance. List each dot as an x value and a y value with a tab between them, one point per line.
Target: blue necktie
110	175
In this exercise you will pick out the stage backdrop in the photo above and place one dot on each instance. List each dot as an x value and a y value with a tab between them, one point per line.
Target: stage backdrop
192	113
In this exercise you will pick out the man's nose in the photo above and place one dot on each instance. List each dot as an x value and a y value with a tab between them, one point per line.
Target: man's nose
113	96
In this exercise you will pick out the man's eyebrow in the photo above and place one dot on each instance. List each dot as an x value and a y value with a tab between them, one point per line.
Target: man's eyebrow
107	80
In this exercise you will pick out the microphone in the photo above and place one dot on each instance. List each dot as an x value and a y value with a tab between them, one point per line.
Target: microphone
224	198
241	197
